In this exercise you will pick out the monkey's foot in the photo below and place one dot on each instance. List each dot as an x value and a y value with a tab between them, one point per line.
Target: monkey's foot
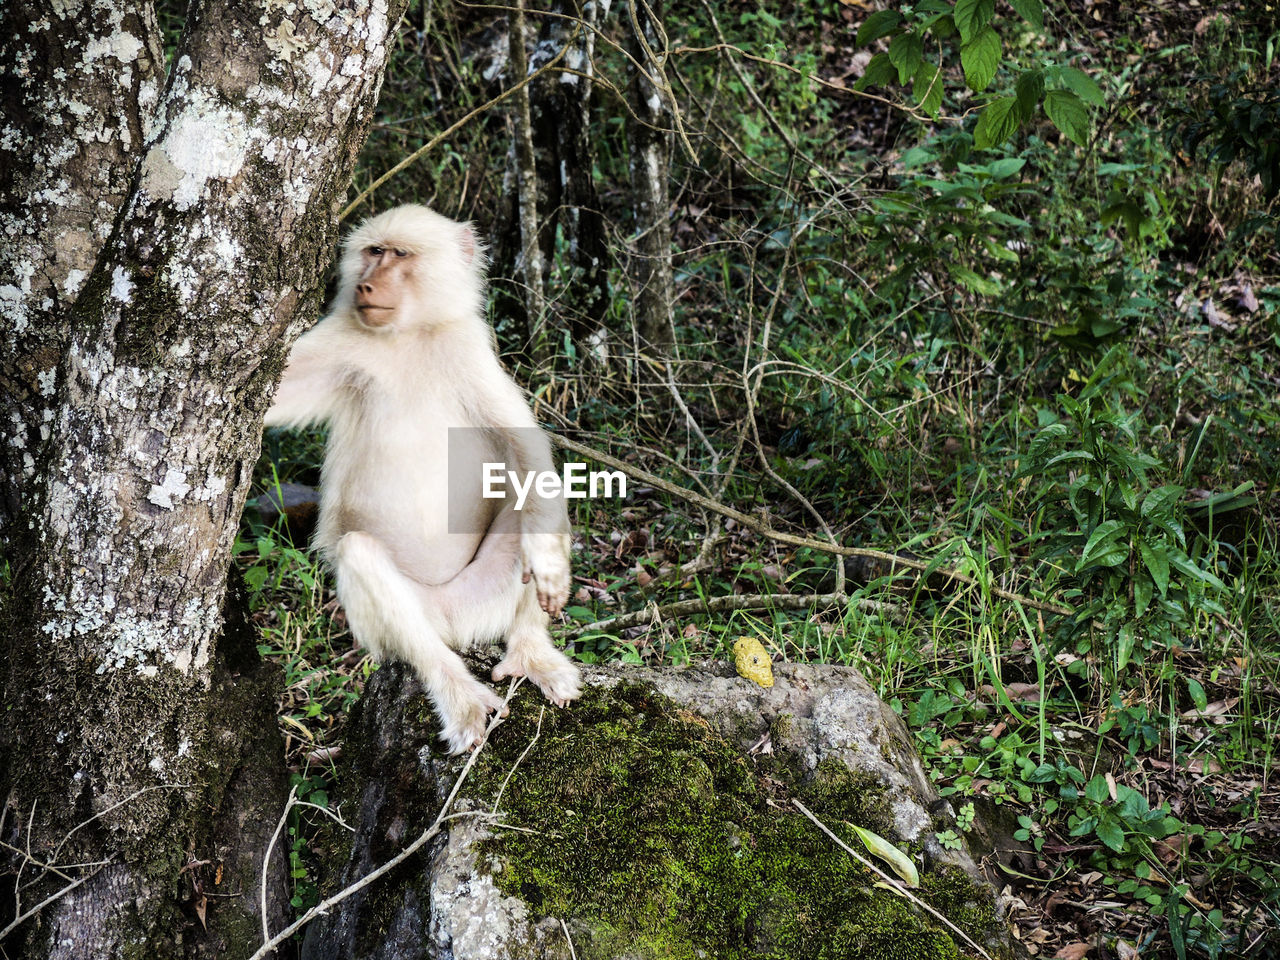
553	672
464	714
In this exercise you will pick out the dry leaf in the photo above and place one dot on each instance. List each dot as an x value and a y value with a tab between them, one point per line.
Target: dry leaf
1073	951
1023	691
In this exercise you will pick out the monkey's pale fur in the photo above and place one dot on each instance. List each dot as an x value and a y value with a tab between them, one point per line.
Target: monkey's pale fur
404	355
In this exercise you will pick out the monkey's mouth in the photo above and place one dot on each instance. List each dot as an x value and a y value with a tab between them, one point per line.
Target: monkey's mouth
370	306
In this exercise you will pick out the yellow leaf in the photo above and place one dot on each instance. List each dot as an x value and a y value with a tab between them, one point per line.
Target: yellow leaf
752	661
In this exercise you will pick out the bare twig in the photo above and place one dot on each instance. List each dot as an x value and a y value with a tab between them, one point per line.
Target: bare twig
892	881
450	131
573	954
62	892
266	860
519	760
427	835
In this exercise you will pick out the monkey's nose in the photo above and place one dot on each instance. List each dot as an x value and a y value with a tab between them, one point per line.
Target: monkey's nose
365	288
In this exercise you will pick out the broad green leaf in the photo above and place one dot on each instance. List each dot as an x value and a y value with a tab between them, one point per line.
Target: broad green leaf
980	58
1070	455
996	123
972	15
1156	561
1069	115
1083	85
1101	540
255	577
905	51
1128	636
1159	500
1084	827
1130	212
890	854
1142	593
1227	500
1197	693
1111	169
980	285
999	253
1180	562
1031	11
1029	89
927	90
879	72
1111	833
1097	790
879	24
1005	167
1041	774
917	156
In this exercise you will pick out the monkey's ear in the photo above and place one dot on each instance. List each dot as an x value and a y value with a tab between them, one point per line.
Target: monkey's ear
467	240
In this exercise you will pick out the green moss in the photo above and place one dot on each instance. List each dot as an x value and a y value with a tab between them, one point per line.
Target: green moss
661	841
838	793
966	904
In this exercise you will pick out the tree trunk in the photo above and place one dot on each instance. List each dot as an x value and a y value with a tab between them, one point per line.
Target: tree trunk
167	249
530	263
549	187
61	182
649	135
561	112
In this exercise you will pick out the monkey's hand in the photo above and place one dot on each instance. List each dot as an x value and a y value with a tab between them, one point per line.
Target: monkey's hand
546	562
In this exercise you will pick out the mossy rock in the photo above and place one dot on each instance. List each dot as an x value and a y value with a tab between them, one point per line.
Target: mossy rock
634	824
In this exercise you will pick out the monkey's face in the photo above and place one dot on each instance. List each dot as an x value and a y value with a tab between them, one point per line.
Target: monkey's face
387	286
411	268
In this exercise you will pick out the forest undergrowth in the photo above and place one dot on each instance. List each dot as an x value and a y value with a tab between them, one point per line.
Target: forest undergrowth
1046	369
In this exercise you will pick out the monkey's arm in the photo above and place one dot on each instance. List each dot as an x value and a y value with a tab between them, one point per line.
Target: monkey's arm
544	522
308	390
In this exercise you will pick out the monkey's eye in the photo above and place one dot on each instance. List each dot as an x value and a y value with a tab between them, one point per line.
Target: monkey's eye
402	253
377	251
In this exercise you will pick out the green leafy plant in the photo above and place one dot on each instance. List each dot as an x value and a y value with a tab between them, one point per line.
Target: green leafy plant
1123	540
918	38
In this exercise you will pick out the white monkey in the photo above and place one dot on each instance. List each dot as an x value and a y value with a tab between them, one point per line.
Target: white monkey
404	355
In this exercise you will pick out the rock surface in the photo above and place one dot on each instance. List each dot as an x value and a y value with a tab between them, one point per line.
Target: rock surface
652	819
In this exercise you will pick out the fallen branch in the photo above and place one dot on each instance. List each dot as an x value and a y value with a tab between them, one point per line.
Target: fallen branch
758	526
898	888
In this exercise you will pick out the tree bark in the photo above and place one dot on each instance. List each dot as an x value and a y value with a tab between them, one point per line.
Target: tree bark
167	248
649	136
549	186
561	113
62	179
531	265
